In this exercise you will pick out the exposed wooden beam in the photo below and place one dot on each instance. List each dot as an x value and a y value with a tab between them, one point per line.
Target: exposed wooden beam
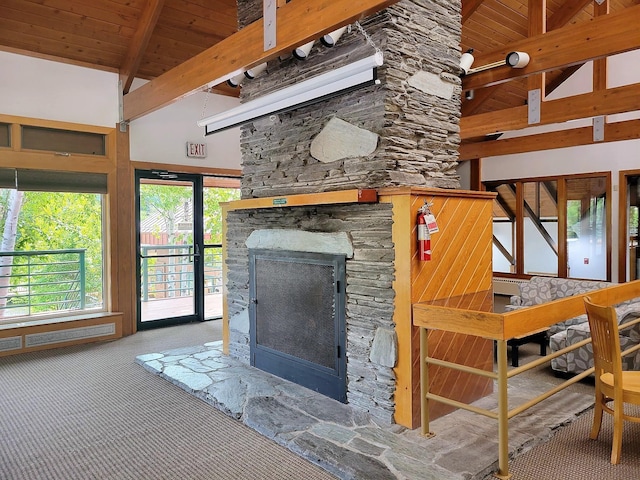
468	7
139	42
600	37
600	65
469	107
613	132
537	26
565	13
560	79
297	23
603	102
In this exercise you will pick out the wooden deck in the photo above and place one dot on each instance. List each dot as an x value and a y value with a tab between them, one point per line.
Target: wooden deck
181	306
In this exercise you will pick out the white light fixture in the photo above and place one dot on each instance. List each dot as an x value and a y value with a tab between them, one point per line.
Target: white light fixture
330	39
236	80
335	82
466	60
513	60
517	59
302	52
252	73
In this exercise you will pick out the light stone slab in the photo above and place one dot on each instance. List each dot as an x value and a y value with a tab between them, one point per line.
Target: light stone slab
339	140
432	84
385	348
301	241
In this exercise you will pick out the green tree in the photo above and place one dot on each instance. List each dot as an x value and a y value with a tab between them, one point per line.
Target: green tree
213	197
62	221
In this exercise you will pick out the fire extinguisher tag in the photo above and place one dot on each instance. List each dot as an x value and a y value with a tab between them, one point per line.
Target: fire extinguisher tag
431	224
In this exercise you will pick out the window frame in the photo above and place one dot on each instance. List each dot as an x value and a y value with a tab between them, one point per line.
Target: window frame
561	182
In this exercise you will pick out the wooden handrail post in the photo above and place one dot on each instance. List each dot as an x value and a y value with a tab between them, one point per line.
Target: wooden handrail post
503	412
424	382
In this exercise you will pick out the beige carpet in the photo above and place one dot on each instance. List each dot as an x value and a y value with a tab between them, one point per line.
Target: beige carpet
571	454
90	412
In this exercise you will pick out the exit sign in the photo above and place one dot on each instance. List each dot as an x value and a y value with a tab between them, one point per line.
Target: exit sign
196	150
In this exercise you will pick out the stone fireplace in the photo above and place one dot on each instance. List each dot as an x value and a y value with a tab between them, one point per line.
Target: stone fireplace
298	168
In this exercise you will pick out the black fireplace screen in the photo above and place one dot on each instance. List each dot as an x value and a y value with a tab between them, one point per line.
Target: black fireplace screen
297	318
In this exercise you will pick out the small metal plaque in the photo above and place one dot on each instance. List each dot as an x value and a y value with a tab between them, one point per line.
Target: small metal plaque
535	97
269	8
279	201
598	129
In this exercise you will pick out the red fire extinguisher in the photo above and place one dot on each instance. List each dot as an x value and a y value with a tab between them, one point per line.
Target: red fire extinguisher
424	238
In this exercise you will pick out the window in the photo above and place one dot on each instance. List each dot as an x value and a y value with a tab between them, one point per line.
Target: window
51	254
552	226
5	135
65	141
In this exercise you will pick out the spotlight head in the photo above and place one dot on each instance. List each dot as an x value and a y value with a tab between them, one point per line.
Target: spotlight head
330	39
235	82
466	60
252	73
302	52
517	59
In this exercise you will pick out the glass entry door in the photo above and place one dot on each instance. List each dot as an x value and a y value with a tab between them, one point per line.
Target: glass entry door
169	246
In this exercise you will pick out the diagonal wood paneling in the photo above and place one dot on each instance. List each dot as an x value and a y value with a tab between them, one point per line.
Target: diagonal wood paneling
460	273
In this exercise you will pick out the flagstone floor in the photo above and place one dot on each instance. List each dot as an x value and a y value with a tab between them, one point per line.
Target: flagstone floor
346	442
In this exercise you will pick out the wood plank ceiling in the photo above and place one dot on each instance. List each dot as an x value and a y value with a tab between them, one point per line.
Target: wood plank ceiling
147	38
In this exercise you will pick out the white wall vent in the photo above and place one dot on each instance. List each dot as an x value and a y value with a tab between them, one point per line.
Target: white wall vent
69	334
507	286
10	343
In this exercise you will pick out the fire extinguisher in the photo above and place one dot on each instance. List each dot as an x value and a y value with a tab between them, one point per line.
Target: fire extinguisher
424	238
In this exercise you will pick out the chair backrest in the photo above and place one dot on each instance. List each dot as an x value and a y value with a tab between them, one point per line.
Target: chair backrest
603	323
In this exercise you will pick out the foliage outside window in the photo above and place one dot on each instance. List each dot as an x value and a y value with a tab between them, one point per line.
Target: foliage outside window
551	226
51	256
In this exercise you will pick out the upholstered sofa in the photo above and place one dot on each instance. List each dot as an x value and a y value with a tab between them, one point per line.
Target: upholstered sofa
545	289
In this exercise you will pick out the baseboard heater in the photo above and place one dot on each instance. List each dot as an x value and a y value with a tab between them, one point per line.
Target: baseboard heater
507	286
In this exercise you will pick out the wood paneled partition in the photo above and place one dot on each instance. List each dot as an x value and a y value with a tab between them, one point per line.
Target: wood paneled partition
459	275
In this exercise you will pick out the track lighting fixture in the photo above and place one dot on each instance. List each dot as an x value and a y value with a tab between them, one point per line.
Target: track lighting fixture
330	39
517	59
513	60
302	52
236	80
466	60
252	73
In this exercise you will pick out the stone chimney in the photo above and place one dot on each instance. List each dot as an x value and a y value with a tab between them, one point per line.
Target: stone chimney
403	132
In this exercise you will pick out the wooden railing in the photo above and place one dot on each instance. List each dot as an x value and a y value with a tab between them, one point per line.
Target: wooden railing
501	328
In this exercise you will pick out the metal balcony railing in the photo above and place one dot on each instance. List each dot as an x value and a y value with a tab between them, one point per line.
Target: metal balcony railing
42	281
167	271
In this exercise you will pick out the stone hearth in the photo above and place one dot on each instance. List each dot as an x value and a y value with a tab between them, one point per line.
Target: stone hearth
345	441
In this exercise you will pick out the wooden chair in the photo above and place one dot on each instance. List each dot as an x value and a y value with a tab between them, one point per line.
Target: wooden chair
612	384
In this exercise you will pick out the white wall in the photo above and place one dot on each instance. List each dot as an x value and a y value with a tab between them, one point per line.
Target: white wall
31	87
162	136
604	157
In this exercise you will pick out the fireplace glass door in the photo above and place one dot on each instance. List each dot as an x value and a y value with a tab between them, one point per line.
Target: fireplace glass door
297	318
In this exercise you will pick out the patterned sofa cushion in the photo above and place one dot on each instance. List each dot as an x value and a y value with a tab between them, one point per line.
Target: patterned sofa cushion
567	287
535	291
581	359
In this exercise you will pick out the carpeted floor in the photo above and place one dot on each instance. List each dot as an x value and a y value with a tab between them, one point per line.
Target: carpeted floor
90	412
571	454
